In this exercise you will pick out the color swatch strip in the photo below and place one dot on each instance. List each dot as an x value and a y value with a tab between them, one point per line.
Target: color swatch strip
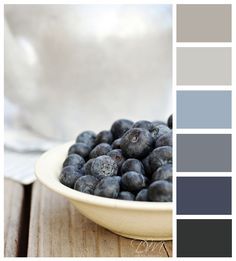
204	109
203	66
207	112
204	23
203	195
204	238
203	152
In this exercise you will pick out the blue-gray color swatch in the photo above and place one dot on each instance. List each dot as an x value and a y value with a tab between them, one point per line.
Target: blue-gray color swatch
204	195
204	152
204	109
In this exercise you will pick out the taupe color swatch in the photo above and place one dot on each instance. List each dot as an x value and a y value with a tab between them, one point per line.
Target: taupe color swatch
203	23
204	66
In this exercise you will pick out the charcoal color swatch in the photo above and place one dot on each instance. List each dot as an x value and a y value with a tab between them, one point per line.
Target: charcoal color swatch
203	152
204	109
203	23
204	238
203	66
203	195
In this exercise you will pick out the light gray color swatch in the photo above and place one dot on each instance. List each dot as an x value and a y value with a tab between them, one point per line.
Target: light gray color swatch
204	66
204	23
204	152
204	109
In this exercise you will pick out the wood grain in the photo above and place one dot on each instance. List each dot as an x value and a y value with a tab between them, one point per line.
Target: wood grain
13	205
57	229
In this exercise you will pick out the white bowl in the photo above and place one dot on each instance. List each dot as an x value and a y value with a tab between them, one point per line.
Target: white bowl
132	219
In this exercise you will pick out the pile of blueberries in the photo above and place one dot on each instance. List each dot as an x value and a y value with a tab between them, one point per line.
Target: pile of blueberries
131	161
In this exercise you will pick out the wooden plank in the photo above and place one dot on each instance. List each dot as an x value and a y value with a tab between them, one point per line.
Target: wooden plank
13	205
168	247
57	229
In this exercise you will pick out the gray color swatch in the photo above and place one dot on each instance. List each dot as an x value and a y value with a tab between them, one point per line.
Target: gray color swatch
204	23
203	152
204	195
203	66
203	109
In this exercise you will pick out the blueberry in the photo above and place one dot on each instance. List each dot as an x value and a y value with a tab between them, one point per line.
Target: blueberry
86	184
108	187
142	195
133	181
116	144
99	150
120	127
143	124
164	140
162	129
146	165
104	137
156	123
117	156
104	166
169	121
126	195
74	160
160	191
87	137
152	128
136	143
164	172
132	165
69	175
87	167
158	157
79	148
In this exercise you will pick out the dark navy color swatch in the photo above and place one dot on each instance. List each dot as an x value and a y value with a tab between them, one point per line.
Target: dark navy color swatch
204	195
204	238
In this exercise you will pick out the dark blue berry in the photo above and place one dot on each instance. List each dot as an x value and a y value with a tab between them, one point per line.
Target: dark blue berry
143	124
69	175
87	137
87	167
132	165
74	160
104	137
160	191
156	123
86	184
99	150
117	156
80	148
126	195
137	143
142	195
104	166
169	122
120	127
162	129
164	172
152	128
164	140
158	157
133	181
116	144
108	187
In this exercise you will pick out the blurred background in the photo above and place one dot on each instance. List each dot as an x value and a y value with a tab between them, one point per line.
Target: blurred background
70	68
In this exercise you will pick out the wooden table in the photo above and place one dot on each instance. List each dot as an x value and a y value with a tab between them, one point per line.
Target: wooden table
41	223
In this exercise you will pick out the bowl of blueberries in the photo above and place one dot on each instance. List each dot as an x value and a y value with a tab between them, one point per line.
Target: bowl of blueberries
119	178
